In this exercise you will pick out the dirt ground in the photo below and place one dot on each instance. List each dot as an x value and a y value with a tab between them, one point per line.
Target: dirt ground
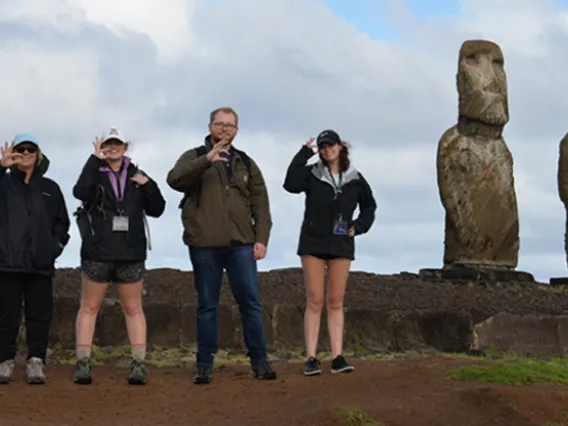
411	392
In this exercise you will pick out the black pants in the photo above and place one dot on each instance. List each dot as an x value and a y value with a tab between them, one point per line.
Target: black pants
36	293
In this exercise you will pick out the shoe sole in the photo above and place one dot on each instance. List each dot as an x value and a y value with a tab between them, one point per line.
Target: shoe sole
83	381
343	370
137	381
36	381
201	381
4	381
312	373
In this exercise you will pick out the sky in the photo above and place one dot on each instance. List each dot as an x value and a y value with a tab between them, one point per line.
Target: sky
381	73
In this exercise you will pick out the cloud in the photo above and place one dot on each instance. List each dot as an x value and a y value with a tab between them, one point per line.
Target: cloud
290	68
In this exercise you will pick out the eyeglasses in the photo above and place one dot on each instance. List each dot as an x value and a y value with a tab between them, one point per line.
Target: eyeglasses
225	126
30	148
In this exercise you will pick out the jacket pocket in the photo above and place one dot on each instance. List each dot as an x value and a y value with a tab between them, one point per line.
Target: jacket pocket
47	253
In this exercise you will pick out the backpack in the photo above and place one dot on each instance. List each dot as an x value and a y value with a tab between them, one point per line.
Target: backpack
202	150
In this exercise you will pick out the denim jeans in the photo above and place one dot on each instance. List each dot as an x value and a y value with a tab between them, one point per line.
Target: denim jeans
208	265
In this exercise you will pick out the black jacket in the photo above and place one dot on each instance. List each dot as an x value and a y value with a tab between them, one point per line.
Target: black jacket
324	205
95	188
34	223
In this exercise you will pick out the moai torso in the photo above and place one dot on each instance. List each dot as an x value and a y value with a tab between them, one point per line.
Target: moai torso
475	167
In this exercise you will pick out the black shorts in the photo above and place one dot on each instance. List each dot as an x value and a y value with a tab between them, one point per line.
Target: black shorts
325	257
115	272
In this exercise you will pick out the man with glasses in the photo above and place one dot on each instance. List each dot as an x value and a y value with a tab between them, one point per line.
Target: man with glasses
227	222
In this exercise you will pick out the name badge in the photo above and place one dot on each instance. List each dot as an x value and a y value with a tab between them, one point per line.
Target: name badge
120	224
340	227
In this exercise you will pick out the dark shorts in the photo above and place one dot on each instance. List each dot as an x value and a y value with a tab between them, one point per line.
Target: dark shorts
323	256
115	272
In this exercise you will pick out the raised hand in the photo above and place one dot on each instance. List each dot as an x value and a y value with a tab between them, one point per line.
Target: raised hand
218	149
9	157
310	144
140	178
99	152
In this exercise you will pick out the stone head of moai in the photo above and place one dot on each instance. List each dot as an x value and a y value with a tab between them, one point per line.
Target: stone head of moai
482	83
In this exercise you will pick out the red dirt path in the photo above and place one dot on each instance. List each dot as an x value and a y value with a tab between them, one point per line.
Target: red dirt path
397	393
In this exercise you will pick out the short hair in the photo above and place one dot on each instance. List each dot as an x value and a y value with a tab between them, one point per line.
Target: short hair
226	110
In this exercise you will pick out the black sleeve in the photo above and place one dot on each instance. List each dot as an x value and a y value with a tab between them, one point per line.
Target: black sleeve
154	202
297	175
62	222
86	187
367	208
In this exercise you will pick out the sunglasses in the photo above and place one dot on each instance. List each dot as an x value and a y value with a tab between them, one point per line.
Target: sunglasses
30	148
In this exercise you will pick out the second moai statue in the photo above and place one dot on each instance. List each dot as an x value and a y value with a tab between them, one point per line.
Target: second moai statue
475	172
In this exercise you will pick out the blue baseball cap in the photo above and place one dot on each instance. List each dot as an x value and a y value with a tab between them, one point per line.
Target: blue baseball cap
25	137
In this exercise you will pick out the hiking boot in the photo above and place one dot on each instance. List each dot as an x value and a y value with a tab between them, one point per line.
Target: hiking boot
340	365
83	375
312	367
6	371
138	373
36	371
203	375
263	371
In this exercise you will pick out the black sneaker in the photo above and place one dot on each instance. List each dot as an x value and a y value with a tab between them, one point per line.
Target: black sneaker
138	373
203	375
263	371
340	365
312	367
83	374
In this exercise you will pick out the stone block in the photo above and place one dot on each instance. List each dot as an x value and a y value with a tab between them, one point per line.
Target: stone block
529	335
288	326
225	326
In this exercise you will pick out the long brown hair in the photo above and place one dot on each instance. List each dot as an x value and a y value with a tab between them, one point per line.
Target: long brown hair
344	161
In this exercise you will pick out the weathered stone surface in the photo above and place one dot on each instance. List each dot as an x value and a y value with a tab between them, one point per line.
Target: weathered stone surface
288	325
563	184
474	273
225	323
559	281
528	335
475	166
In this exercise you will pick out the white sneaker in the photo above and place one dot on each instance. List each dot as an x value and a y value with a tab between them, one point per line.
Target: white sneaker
36	371
6	370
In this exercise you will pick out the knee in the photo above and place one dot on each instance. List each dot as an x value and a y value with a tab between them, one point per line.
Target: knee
89	308
132	308
334	304
315	304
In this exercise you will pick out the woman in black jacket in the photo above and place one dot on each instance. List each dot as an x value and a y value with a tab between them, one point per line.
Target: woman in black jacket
116	197
34	229
333	191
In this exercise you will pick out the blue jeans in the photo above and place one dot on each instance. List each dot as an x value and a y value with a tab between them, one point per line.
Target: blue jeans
208	265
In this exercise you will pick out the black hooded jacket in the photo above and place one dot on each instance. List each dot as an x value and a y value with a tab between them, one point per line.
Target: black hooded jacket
34	223
325	204
97	187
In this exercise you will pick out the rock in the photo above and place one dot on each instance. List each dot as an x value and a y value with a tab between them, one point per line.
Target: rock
524	335
475	166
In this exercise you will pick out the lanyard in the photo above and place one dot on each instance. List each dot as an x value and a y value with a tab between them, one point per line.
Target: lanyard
337	188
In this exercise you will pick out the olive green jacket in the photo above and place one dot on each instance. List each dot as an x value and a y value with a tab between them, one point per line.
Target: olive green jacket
221	213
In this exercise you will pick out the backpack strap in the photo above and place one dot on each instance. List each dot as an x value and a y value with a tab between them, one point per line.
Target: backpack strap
246	159
200	151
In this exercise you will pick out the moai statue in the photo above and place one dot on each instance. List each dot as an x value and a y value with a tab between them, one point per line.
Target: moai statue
563	183
475	173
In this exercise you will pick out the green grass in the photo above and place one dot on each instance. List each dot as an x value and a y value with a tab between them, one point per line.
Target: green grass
354	417
515	371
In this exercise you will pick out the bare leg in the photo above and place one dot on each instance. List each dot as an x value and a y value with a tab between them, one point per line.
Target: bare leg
91	301
130	295
338	273
314	279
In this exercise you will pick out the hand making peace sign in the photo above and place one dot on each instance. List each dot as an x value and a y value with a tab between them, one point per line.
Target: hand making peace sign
9	157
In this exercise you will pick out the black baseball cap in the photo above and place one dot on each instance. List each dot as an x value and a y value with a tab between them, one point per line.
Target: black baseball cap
328	137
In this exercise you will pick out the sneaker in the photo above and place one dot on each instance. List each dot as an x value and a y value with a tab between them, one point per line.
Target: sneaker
263	371
36	371
312	367
6	371
138	373
340	365
83	374
203	375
